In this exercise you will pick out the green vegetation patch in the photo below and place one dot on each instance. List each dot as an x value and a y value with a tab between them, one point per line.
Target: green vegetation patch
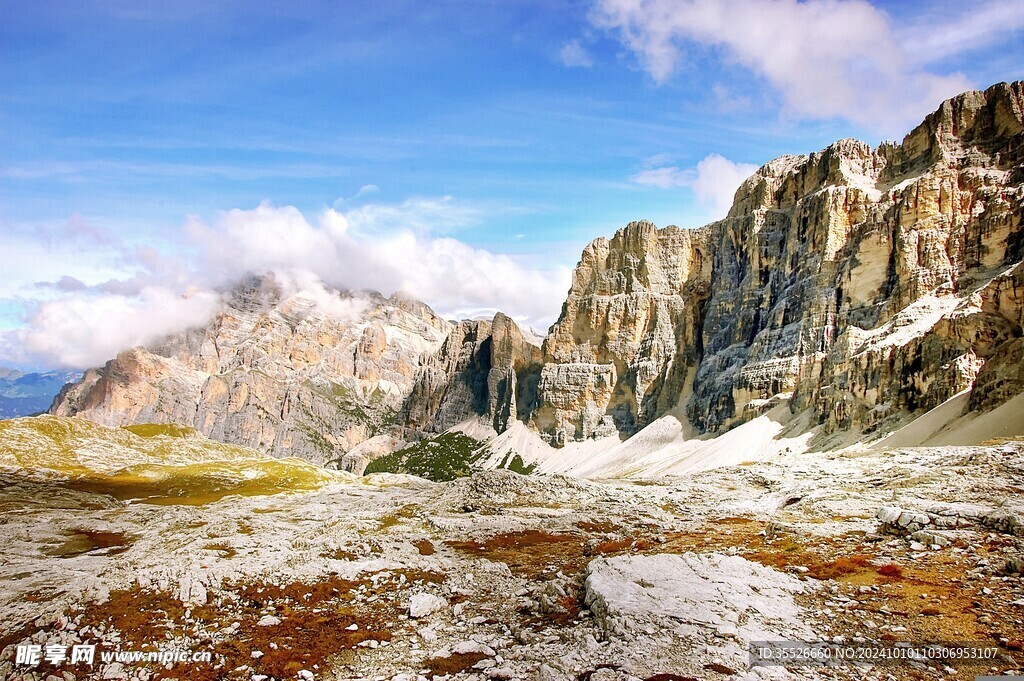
517	465
441	458
158	429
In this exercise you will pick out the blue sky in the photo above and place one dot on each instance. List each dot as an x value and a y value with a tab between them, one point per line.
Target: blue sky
500	136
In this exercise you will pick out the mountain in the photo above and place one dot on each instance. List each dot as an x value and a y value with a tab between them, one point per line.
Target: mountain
858	285
278	371
484	369
851	295
24	394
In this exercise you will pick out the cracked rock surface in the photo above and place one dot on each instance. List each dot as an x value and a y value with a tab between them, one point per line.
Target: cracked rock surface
505	576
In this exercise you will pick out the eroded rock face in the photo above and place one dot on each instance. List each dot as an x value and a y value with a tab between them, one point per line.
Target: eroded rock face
629	333
272	372
861	283
483	368
356	459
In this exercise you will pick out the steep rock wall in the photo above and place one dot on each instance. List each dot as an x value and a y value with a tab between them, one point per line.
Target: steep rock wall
628	335
483	369
859	283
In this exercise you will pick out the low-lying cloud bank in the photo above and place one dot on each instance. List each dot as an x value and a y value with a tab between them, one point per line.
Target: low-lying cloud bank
79	323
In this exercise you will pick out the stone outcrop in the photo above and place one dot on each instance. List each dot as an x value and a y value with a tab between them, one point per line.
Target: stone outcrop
860	284
714	592
628	335
272	371
483	369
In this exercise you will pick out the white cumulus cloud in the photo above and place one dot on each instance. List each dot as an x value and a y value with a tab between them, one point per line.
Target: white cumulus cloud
717	180
362	249
574	54
714	181
823	58
82	330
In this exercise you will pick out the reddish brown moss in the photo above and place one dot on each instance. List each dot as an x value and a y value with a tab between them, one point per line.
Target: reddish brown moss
890	570
840	567
602	527
340	554
315	620
141	616
612	546
453	664
16	635
530	553
84	541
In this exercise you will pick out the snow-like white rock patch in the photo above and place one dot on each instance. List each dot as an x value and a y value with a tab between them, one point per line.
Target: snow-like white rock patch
423	604
694	594
466	647
667	446
911	322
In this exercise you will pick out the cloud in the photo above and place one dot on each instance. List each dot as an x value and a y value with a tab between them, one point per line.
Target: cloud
714	181
77	320
363	248
38	257
305	284
823	58
421	215
717	180
82	330
982	24
728	102
665	178
574	54
65	283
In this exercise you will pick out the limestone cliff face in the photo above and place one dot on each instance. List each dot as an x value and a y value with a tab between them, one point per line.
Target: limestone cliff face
272	371
482	369
861	283
628	335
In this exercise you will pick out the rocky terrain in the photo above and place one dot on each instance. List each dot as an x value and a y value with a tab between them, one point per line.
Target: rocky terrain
505	576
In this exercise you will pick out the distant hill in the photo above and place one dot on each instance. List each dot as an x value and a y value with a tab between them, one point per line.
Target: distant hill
24	394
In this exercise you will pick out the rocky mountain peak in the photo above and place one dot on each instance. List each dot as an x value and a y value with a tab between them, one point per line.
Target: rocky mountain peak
485	370
285	372
839	282
989	122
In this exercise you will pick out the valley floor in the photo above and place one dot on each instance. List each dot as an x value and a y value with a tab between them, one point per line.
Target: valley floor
503	576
